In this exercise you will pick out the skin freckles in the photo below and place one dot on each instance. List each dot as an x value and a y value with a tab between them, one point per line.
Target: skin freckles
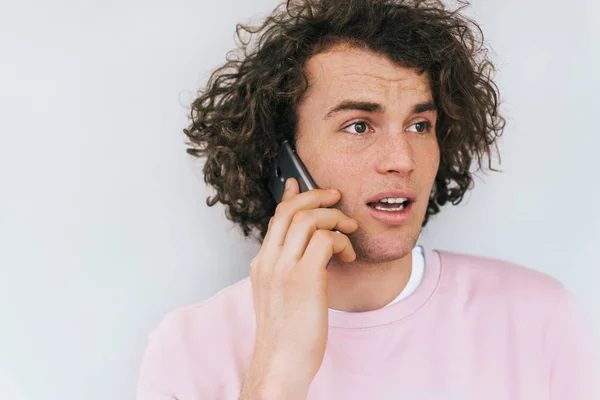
363	152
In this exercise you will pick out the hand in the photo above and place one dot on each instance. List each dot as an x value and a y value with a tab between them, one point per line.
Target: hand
289	285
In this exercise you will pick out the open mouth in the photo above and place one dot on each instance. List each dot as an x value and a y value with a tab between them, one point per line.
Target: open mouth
390	204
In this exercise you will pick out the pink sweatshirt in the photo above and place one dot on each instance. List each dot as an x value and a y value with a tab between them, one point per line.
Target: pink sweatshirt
475	328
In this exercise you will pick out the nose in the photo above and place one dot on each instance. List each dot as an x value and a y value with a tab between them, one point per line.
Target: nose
395	154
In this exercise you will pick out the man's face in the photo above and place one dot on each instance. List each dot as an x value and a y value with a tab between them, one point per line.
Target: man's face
364	152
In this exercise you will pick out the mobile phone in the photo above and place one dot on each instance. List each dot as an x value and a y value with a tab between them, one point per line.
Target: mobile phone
288	165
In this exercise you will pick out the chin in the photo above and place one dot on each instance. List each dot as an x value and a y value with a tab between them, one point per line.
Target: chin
378	249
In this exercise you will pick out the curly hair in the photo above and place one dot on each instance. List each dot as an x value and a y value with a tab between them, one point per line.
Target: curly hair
248	106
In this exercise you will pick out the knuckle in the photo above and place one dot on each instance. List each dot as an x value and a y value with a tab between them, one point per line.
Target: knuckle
281	208
322	236
302	217
348	243
340	214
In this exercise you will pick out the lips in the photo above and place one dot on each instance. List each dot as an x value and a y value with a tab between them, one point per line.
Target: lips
390	217
409	194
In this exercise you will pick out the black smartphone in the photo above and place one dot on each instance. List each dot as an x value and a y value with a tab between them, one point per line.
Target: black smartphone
288	165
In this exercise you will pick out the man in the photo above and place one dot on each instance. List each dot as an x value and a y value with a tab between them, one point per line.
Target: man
396	104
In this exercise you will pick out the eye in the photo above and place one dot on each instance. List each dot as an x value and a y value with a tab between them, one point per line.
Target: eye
360	127
422	126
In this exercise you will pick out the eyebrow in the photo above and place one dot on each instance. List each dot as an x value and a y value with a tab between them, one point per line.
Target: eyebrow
374	107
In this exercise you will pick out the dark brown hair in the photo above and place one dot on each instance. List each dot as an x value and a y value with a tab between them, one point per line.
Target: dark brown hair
248	106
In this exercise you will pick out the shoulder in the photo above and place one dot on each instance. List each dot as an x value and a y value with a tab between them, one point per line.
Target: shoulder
503	273
498	278
229	308
199	345
531	308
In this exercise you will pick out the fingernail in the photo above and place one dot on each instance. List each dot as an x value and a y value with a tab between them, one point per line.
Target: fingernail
333	191
288	183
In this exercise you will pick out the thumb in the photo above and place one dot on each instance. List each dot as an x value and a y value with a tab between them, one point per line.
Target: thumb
291	189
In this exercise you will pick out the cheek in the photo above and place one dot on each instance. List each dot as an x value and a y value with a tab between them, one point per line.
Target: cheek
428	161
326	167
337	171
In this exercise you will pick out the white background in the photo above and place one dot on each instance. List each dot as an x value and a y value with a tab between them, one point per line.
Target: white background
103	221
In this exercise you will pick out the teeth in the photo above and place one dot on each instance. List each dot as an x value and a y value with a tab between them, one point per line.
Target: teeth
399	208
393	200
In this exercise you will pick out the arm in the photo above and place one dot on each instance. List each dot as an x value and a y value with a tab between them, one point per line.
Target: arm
575	360
155	375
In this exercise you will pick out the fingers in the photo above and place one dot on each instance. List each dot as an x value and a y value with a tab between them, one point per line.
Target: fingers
302	220
291	189
291	203
323	244
305	223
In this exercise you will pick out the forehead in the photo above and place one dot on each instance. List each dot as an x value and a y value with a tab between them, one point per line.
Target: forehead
346	70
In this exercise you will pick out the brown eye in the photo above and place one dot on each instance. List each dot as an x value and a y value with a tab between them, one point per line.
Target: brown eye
422	126
360	127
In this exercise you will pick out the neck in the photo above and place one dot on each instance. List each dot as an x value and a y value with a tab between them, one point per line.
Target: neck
360	286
